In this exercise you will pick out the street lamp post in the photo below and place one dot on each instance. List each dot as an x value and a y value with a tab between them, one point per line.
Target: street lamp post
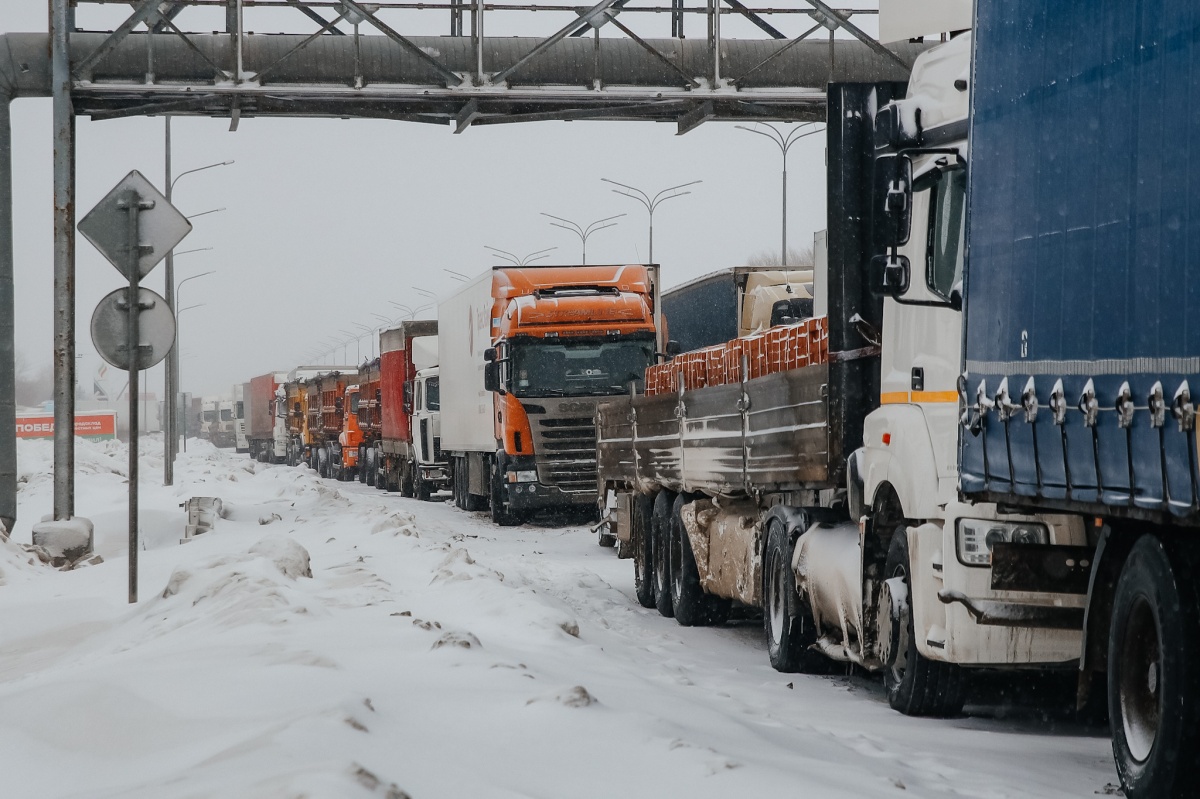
583	233
537	255
357	338
367	331
785	143
649	202
178	314
171	389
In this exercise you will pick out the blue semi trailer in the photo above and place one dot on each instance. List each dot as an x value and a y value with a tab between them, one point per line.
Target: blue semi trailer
1081	336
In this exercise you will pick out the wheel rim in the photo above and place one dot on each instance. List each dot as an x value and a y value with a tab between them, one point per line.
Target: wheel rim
776	602
1140	680
898	664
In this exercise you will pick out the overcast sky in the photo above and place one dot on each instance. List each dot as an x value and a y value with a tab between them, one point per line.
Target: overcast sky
329	220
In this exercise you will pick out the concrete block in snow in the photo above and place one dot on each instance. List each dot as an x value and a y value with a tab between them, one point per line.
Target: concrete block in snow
65	539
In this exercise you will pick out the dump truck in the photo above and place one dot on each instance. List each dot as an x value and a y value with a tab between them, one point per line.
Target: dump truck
326	394
809	469
363	422
403	350
524	354
306	423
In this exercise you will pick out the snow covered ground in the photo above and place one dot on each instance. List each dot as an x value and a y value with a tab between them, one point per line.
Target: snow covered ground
429	654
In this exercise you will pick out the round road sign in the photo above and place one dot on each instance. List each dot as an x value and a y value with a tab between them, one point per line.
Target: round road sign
156	325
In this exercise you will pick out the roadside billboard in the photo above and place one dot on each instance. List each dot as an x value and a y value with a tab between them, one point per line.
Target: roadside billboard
95	425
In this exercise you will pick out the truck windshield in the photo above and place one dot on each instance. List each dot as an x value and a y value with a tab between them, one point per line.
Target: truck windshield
227	414
578	368
433	395
944	255
210	416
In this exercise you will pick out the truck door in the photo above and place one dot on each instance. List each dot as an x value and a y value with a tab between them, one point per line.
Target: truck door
922	341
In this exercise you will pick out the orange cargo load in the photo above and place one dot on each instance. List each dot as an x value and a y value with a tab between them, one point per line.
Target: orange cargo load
776	350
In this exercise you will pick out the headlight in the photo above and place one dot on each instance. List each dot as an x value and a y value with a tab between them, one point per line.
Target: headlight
523	476
976	537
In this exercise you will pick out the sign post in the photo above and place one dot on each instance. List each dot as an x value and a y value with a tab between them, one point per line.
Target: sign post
134	227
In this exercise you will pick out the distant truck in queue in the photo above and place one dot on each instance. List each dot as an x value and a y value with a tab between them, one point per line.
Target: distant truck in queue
524	354
399	464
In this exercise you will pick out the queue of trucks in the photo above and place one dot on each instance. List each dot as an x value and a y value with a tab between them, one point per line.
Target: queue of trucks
962	439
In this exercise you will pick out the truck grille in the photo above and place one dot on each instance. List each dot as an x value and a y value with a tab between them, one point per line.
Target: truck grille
566	452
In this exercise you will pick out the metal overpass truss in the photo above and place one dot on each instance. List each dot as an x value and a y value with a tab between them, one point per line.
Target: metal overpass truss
367	60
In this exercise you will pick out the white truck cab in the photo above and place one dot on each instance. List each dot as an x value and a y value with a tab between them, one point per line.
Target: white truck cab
961	612
432	472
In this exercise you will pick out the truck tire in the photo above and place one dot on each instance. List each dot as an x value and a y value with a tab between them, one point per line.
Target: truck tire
1153	649
787	619
369	469
457	483
421	487
605	539
406	480
360	472
916	686
323	462
660	533
643	550
500	514
693	607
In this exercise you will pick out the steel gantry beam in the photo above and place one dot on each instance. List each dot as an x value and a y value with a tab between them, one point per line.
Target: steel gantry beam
151	65
164	58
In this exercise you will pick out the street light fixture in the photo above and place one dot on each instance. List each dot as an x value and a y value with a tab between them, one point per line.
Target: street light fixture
516	261
367	331
357	339
170	439
205	213
583	233
197	249
785	143
651	203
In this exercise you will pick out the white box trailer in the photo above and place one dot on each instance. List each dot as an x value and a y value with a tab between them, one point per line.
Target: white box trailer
464	332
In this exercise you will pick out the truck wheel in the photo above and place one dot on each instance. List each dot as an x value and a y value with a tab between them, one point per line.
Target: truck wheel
643	550
406	480
457	483
323	462
1152	654
421	487
605	539
916	686
660	533
368	466
787	619
693	607
500	514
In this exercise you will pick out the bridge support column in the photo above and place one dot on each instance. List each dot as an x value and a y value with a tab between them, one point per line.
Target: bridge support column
64	263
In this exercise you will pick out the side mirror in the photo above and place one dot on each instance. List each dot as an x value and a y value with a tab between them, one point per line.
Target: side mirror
339	404
489	355
672	349
406	401
296	410
893	191
491	376
890	275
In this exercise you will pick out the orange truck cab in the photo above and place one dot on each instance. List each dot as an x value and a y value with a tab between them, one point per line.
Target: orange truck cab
525	353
